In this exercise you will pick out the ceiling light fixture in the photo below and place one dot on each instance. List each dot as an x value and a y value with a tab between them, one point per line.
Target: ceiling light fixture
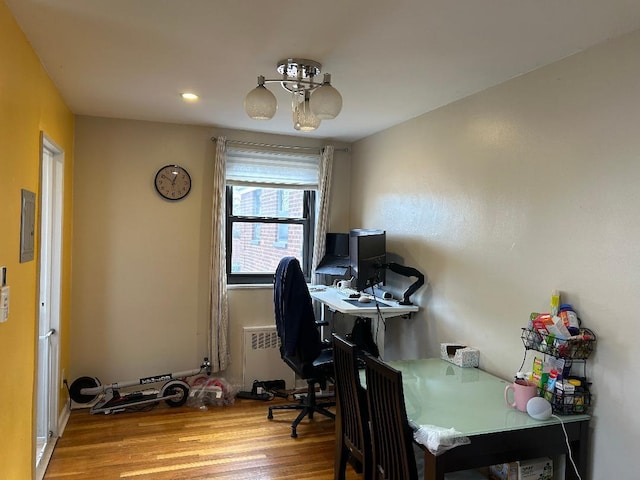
311	101
189	97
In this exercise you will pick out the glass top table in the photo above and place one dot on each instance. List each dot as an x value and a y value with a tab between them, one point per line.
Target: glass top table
467	399
471	401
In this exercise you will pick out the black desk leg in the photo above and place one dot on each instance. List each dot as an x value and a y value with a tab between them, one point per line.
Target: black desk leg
580	452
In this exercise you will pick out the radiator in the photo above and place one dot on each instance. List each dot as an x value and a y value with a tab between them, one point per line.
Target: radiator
261	357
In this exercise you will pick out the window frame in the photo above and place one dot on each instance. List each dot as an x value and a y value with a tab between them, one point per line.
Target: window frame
308	222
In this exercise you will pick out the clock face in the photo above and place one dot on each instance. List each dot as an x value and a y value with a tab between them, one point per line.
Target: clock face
173	182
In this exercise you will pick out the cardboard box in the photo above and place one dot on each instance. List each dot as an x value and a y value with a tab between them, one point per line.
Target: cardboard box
536	469
460	355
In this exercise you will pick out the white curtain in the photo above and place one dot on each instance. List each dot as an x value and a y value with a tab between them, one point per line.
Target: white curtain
324	194
219	308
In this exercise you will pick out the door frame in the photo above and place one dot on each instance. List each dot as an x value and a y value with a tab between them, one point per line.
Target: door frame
49	298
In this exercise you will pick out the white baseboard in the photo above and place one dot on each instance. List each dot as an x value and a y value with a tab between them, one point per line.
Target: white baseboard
51	445
63	419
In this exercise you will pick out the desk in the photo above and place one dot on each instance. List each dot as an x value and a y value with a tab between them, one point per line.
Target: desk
472	402
331	298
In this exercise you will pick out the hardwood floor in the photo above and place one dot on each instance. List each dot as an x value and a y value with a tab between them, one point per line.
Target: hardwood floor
235	442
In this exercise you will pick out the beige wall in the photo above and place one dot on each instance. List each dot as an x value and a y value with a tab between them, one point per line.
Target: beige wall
29	105
504	196
140	264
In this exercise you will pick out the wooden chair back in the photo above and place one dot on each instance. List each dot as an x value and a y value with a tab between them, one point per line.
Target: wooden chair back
392	437
352	430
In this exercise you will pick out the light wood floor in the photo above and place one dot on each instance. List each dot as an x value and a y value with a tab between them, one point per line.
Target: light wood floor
235	442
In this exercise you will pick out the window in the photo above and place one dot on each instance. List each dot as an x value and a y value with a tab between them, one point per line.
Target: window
255	236
256	243
270	213
282	233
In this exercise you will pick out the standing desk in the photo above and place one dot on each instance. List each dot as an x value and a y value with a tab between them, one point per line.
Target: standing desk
332	299
472	402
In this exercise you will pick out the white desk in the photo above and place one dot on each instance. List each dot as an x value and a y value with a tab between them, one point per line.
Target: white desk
376	310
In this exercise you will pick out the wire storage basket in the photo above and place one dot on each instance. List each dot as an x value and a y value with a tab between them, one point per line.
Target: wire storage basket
575	347
576	401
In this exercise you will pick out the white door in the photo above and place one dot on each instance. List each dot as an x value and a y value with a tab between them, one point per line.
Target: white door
51	203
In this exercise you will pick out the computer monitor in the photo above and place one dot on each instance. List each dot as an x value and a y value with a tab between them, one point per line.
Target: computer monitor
336	259
367	254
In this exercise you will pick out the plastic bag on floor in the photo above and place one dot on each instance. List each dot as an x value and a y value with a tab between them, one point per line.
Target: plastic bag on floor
212	391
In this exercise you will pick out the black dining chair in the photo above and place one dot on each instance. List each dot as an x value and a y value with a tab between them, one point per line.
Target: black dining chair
353	438
391	434
300	344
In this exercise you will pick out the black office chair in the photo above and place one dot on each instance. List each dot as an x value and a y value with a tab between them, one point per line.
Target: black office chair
300	345
353	436
392	437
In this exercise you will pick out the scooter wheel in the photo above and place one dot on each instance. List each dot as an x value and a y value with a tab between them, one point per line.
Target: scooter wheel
80	383
178	388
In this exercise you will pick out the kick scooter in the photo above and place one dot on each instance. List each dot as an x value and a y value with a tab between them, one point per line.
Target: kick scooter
174	392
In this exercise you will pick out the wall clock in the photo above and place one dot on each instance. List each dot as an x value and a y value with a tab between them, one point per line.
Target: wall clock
173	182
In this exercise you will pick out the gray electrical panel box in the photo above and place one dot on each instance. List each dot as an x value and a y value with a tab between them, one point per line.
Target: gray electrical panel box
27	227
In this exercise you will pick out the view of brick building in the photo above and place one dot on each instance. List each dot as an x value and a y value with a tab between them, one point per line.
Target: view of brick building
258	246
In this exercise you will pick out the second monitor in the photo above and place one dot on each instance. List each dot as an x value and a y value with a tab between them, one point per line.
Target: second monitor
367	255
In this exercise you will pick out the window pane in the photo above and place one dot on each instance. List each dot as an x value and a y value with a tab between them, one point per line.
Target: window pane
265	224
267	202
282	234
251	255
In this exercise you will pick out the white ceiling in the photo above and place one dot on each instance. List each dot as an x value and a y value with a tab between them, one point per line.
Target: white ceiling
392	60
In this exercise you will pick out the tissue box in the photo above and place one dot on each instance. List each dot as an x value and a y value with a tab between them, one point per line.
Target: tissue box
460	355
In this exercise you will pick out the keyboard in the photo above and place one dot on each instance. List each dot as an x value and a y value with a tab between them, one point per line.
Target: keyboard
349	292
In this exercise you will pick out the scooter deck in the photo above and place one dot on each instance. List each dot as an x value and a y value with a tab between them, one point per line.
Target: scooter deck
118	404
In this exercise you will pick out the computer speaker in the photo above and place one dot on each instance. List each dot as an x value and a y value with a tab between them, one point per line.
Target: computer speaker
539	408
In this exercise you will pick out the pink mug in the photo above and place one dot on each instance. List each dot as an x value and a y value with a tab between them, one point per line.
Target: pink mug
523	391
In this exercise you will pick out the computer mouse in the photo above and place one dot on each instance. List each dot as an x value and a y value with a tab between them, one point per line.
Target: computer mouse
364	299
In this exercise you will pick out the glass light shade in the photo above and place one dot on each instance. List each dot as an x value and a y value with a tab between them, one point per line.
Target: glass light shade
303	118
260	103
326	101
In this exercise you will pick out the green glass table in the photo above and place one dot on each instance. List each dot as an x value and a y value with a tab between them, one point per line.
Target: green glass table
472	402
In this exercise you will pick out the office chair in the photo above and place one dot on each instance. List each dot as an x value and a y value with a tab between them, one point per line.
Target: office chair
353	437
300	345
392	437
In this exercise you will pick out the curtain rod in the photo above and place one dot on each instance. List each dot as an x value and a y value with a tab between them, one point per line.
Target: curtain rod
270	145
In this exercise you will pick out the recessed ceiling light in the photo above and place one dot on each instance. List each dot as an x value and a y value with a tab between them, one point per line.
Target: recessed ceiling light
189	97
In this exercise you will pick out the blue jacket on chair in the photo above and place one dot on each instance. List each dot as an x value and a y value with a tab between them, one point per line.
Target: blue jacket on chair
300	343
295	320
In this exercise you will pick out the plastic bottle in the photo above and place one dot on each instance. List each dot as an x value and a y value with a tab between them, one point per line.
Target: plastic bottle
555	302
551	385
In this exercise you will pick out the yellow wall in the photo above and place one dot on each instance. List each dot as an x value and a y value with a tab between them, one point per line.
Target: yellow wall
29	104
